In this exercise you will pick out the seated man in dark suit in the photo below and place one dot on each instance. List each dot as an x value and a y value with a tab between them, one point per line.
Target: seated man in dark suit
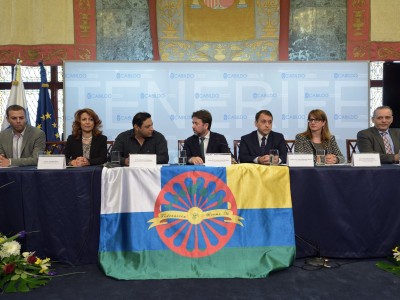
21	142
142	139
255	146
380	138
203	141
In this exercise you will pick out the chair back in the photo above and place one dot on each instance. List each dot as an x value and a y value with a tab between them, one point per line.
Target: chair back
351	147
55	147
236	146
110	144
290	145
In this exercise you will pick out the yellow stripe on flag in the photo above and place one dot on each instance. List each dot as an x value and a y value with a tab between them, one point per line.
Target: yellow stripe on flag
256	186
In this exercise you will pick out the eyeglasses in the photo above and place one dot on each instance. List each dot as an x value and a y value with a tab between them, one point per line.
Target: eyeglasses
314	120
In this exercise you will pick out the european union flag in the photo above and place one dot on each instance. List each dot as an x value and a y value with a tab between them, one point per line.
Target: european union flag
45	113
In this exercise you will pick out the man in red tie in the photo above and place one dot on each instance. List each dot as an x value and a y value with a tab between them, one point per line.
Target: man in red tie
380	138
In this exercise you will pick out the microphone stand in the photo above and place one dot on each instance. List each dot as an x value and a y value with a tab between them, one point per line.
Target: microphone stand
318	260
4	185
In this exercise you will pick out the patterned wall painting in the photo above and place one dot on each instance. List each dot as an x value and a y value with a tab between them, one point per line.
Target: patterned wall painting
123	30
317	30
218	30
83	48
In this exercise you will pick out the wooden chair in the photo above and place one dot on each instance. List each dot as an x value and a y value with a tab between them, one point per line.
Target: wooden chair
236	146
55	147
290	145
351	147
110	144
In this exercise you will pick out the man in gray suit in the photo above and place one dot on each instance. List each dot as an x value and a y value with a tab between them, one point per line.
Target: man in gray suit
20	143
381	138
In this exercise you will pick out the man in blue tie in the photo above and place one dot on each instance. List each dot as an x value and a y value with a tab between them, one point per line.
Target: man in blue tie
203	141
255	146
380	138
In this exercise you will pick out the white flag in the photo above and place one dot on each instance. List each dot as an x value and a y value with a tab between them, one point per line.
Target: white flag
17	94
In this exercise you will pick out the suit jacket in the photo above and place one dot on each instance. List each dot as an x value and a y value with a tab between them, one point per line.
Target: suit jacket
250	148
98	149
216	144
370	140
303	144
34	142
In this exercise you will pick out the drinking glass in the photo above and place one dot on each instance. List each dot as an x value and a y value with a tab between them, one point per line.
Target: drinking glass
182	157
116	158
320	159
274	157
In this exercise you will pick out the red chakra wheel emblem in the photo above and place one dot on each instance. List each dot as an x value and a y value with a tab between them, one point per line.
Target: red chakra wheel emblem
195	214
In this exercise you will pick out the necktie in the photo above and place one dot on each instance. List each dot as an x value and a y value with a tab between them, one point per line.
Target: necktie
388	149
263	144
202	147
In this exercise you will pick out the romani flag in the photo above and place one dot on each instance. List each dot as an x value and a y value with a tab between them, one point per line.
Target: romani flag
196	222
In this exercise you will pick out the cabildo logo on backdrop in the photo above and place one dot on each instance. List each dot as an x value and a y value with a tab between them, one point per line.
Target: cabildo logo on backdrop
128	76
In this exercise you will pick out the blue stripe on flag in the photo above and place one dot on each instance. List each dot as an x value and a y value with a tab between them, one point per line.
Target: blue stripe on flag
262	227
169	172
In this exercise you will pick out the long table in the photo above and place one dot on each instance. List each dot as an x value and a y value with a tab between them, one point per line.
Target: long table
339	211
349	212
58	208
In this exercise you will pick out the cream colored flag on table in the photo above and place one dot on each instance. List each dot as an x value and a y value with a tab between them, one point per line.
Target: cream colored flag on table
17	94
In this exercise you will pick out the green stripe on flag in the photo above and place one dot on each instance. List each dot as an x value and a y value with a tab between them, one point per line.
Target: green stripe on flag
255	262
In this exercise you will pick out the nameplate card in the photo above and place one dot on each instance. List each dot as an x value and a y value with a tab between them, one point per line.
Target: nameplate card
142	160
365	160
51	162
218	159
300	160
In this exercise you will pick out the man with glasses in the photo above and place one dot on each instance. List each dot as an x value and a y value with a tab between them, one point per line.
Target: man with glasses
255	146
21	142
380	138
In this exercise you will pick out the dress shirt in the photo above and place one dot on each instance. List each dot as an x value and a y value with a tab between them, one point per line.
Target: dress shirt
17	143
206	140
389	139
260	136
